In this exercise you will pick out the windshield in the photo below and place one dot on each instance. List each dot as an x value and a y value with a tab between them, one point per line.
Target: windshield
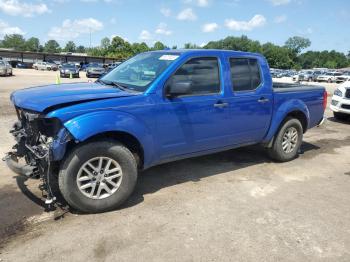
95	65
69	66
140	71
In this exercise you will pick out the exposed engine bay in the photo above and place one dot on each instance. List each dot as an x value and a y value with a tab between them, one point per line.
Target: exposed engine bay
35	136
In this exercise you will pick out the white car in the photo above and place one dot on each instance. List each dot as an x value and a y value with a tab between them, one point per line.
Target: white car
340	104
45	66
329	77
343	78
5	68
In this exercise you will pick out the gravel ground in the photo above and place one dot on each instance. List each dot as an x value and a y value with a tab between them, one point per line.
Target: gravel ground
231	206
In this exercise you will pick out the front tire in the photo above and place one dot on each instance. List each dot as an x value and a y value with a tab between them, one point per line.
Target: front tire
287	142
98	176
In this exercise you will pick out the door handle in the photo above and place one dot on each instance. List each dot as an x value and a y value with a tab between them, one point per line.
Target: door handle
221	105
263	100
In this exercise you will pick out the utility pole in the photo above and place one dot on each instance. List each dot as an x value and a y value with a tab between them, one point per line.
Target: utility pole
90	36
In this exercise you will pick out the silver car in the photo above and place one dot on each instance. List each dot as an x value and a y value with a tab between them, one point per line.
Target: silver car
95	70
45	66
5	68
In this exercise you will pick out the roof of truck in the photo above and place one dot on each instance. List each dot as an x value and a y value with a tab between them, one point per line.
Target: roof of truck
207	51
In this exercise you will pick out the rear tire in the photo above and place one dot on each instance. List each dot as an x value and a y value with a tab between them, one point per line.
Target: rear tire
287	142
77	162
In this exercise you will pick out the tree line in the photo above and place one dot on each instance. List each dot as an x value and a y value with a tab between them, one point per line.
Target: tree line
288	56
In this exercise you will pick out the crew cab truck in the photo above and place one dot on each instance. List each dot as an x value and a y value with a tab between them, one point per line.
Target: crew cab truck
154	108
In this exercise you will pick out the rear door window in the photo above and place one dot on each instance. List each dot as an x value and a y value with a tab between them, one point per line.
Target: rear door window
245	74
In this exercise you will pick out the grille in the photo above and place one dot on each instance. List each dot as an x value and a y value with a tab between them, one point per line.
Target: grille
346	106
347	93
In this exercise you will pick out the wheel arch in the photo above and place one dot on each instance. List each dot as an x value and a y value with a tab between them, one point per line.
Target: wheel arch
115	125
293	108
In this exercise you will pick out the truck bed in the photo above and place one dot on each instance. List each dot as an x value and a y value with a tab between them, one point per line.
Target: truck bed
312	96
290	87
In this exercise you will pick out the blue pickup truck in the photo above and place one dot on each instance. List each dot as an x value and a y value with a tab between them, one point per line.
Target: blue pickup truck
154	108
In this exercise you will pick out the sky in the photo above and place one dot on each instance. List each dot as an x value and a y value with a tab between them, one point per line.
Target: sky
175	22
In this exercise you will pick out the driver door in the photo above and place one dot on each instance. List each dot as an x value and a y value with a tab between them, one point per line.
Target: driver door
196	121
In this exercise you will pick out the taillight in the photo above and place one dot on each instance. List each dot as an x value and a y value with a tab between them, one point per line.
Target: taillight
325	96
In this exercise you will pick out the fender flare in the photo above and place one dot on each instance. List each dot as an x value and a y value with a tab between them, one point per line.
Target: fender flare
88	125
293	105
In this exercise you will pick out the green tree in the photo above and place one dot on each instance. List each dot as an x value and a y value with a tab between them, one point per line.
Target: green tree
32	44
158	46
80	49
70	47
52	46
15	41
105	43
191	46
242	43
278	57
297	43
139	47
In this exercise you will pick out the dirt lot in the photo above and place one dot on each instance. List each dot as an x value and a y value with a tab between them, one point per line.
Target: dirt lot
232	206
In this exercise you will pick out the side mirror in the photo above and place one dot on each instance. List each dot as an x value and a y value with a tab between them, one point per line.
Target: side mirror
178	88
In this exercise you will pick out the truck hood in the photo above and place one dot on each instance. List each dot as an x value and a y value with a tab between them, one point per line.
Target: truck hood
53	96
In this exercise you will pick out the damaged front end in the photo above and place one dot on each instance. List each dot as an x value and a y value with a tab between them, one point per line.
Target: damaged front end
40	142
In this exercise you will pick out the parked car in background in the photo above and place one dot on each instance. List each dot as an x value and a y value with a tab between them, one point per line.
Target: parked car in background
95	70
340	104
113	65
5	68
329	77
305	75
45	66
22	65
154	108
345	76
68	70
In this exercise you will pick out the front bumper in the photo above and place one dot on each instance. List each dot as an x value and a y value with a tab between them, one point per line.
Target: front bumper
68	74
20	169
340	105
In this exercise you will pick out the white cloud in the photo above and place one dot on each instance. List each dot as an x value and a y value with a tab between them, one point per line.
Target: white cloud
162	29
309	30
280	19
6	29
74	28
279	2
256	21
187	15
210	27
166	12
201	3
95	1
145	35
15	8
203	44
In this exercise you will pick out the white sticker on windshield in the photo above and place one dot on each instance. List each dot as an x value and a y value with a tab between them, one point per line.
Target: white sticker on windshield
150	73
168	57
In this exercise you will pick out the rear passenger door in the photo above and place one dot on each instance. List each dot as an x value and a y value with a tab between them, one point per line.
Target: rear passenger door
251	101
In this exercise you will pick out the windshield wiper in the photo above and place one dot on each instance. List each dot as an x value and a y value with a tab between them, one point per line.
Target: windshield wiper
116	84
